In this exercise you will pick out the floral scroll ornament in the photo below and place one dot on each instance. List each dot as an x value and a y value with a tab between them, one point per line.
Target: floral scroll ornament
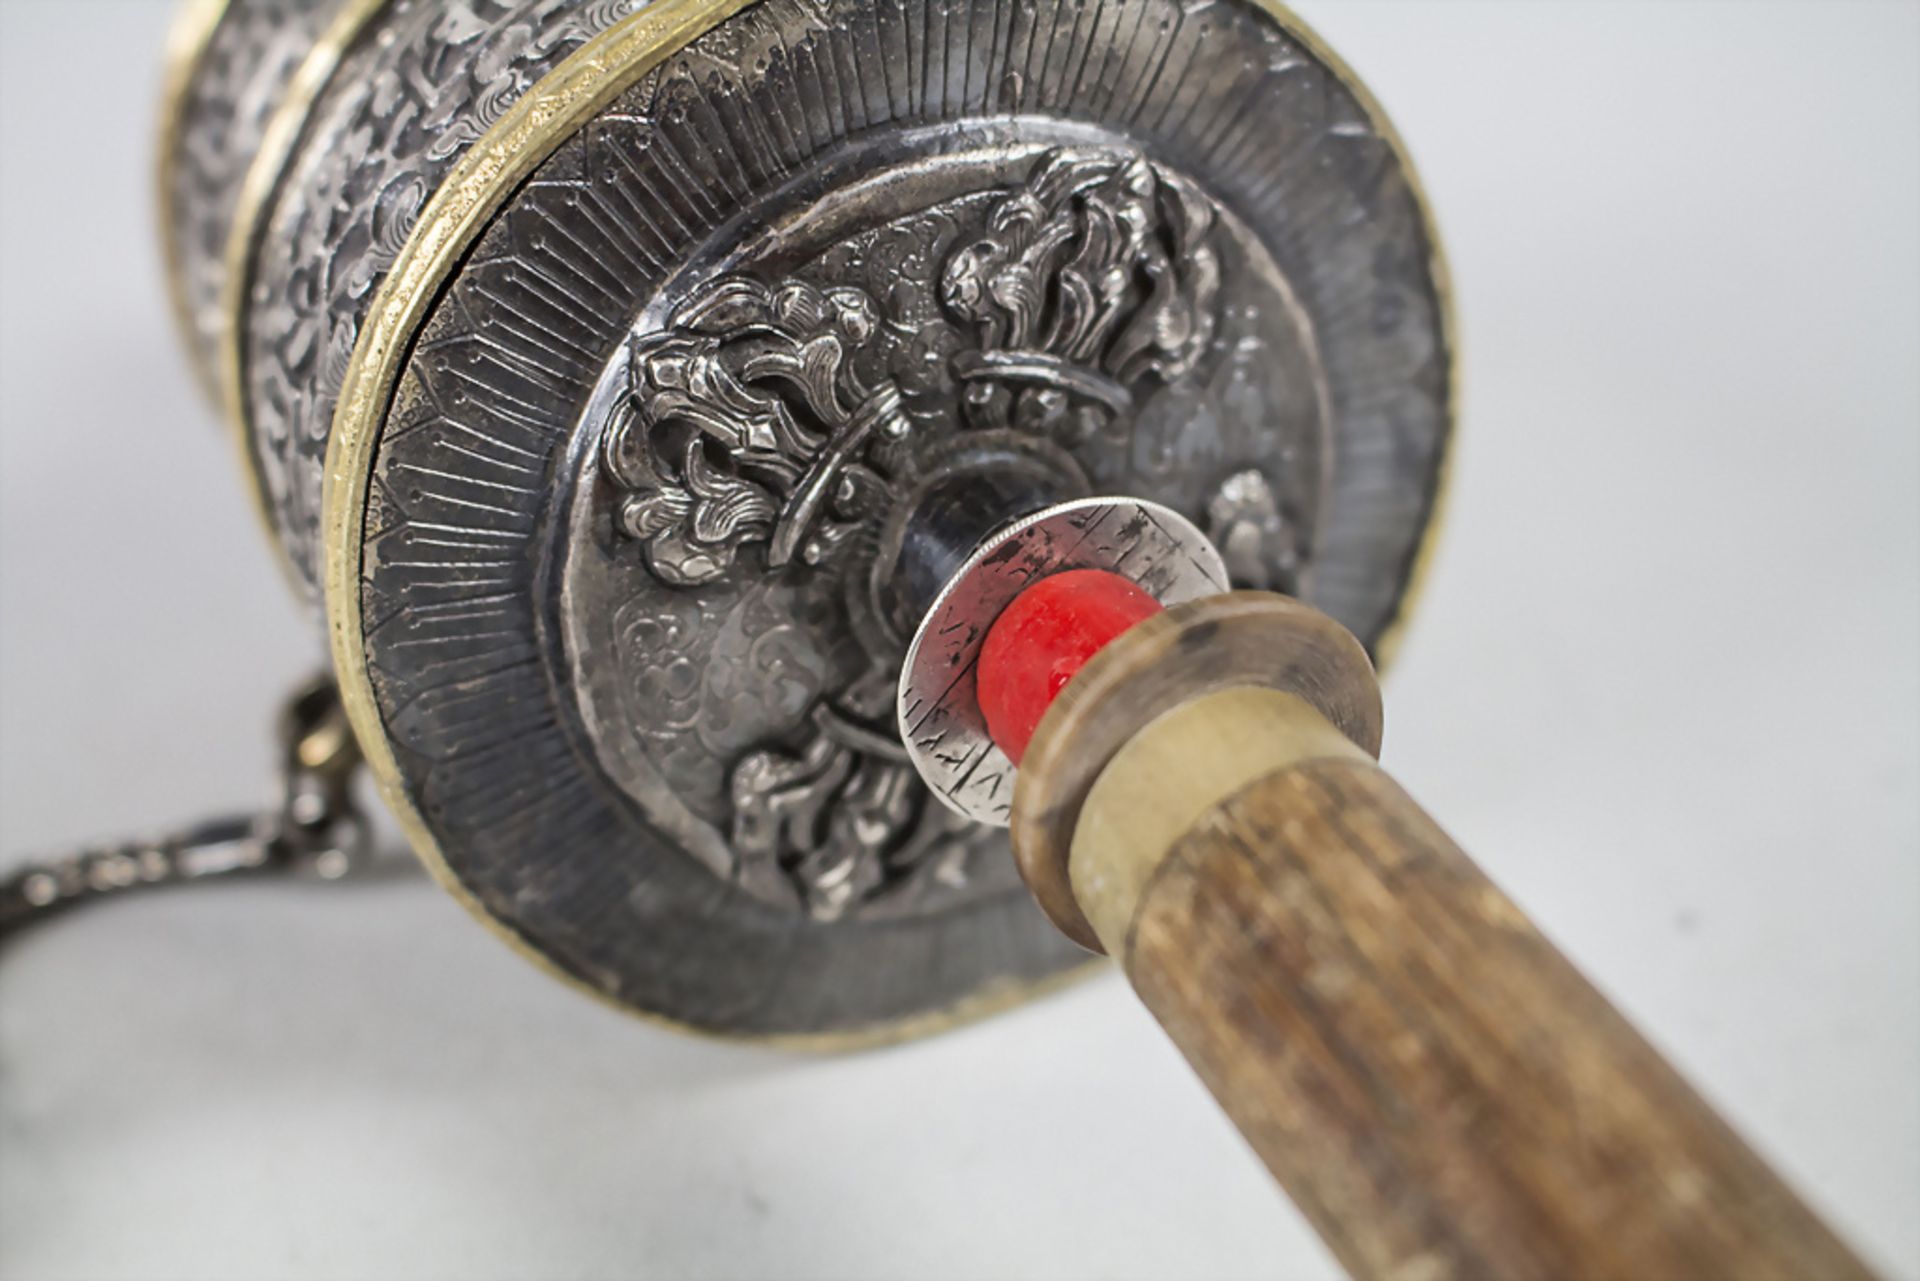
745	421
1093	277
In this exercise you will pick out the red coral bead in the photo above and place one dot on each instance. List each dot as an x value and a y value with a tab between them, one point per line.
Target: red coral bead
1046	635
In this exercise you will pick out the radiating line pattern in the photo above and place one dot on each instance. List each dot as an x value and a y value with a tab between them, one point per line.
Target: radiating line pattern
398	113
470	504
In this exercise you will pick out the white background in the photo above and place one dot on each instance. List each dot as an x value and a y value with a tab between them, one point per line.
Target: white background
1663	684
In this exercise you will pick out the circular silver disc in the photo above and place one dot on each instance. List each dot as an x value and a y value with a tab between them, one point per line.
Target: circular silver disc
939	711
623	585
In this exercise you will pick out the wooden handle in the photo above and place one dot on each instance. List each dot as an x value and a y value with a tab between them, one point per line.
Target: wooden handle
1439	1090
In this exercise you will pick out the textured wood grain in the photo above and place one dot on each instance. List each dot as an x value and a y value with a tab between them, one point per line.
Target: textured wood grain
1185	763
1240	640
1438	1089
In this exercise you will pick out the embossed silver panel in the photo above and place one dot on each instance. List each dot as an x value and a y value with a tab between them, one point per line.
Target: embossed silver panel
768	425
399	111
629	608
236	85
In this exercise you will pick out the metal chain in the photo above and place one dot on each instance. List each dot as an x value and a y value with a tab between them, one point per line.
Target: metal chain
315	830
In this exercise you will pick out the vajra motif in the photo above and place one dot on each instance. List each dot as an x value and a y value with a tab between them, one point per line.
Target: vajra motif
1093	278
747	423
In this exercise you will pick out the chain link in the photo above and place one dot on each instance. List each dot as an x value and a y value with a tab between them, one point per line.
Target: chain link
315	830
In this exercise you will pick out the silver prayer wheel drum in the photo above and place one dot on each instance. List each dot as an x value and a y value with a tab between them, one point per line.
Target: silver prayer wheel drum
593	359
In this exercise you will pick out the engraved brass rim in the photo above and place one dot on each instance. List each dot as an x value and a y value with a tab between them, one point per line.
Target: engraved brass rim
191	31
447	227
262	181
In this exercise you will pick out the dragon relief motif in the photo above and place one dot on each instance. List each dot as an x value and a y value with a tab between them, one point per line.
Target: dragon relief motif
747	424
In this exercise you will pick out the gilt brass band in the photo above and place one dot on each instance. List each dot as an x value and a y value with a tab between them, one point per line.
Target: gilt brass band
494	313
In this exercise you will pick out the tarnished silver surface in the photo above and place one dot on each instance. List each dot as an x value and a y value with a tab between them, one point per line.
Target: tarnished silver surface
795	416
938	707
630	616
1092	277
633	609
236	84
416	90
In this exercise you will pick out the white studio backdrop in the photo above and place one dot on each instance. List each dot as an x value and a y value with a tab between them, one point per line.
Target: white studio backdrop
1665	685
